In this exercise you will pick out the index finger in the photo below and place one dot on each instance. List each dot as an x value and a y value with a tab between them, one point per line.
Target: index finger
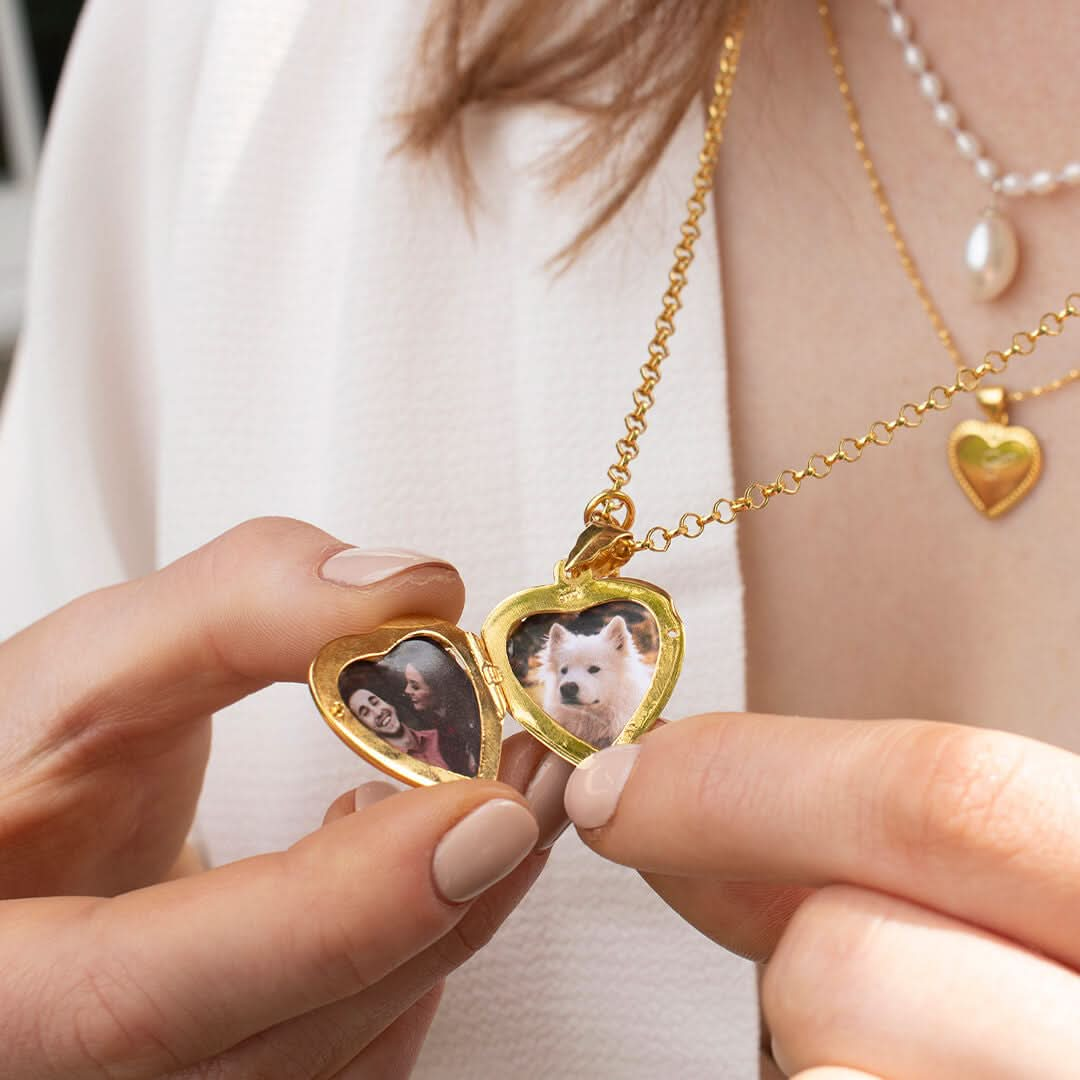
982	825
249	608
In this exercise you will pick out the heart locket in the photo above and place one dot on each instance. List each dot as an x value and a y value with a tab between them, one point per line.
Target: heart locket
586	662
995	463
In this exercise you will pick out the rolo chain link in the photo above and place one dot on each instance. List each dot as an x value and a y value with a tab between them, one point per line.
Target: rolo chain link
613	506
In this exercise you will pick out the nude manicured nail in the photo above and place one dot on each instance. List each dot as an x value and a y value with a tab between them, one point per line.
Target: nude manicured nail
483	848
369	794
358	567
545	795
593	791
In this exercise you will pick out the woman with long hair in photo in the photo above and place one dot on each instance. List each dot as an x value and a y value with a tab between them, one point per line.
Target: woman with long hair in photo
442	698
396	270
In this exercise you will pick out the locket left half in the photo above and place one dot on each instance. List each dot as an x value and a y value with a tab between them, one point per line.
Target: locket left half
411	698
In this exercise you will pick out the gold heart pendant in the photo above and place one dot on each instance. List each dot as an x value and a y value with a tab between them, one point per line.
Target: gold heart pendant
586	662
581	664
994	463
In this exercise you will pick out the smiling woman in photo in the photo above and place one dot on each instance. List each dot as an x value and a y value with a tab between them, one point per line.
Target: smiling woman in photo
442	698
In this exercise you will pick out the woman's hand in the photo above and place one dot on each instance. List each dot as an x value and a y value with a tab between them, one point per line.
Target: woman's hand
106	704
913	887
323	960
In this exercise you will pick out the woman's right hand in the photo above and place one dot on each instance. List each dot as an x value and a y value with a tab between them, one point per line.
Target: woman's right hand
323	960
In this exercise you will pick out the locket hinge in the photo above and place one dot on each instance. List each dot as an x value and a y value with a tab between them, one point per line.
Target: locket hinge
492	676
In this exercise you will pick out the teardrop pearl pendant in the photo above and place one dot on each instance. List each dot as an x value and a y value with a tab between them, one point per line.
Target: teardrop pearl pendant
992	255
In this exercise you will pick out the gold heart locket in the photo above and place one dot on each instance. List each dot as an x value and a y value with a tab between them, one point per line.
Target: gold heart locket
586	662
995	463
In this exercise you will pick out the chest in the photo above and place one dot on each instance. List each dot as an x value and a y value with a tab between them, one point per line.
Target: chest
881	591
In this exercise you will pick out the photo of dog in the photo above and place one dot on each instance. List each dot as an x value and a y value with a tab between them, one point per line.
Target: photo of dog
588	671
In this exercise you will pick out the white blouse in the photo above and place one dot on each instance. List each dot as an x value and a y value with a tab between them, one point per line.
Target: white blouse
242	301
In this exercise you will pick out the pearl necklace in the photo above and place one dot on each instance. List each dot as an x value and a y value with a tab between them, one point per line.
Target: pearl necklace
992	253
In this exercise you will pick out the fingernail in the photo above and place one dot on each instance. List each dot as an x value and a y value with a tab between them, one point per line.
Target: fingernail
483	848
369	794
593	791
545	795
357	567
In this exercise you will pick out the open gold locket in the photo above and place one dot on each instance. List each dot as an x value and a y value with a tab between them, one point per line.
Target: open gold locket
586	662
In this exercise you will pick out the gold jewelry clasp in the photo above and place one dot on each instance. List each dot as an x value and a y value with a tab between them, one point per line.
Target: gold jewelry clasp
601	550
995	403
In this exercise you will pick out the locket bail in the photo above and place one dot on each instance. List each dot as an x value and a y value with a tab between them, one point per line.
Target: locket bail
602	550
995	403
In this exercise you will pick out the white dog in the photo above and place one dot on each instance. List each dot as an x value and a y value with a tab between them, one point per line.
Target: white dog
593	682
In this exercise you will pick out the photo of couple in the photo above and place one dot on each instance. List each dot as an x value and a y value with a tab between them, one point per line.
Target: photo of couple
589	670
419	701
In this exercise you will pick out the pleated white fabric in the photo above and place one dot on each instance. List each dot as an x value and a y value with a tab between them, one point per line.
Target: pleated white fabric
242	302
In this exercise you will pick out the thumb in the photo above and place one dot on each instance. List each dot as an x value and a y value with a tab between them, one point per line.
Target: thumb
250	608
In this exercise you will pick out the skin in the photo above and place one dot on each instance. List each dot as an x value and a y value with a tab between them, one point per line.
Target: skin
378	715
981	639
294	971
911	887
417	689
881	592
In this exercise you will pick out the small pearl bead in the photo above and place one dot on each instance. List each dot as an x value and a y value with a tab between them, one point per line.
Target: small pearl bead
1071	173
986	170
915	59
945	115
1042	182
1013	184
930	85
899	25
968	145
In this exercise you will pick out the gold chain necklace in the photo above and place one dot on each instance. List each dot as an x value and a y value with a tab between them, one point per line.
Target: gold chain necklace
994	463
592	659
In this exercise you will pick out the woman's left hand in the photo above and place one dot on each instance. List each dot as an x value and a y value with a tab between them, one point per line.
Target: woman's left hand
914	888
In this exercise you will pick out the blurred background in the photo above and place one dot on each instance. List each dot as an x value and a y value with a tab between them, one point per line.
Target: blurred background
34	38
